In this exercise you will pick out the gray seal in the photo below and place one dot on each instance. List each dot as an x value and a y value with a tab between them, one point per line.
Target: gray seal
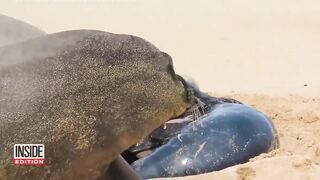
87	96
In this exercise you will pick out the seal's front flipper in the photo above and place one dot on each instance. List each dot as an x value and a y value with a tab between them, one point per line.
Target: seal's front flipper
120	169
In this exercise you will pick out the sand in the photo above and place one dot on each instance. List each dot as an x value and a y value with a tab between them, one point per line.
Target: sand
265	53
297	119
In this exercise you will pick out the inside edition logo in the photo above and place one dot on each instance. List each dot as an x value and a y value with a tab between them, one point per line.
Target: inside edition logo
28	155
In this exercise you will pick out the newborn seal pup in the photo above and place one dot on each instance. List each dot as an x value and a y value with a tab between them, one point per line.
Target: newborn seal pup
13	31
226	133
87	96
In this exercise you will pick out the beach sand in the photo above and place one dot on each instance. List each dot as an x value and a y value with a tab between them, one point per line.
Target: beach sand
264	53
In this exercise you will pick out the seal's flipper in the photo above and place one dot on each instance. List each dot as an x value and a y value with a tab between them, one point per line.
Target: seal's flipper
120	169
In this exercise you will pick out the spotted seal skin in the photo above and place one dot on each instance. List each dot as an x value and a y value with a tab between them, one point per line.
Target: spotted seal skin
87	96
14	31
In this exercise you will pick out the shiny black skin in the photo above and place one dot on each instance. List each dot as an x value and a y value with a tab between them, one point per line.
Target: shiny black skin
229	134
165	132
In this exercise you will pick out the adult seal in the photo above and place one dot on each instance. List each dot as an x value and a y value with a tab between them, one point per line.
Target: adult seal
87	96
13	30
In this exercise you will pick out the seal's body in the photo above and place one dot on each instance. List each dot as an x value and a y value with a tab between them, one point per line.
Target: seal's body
229	134
13	31
87	96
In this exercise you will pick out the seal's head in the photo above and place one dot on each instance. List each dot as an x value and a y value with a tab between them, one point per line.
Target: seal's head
89	95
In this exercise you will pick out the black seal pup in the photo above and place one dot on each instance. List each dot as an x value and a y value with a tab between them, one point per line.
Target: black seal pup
225	133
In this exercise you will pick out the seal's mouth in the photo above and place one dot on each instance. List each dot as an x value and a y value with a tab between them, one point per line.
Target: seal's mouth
197	107
189	91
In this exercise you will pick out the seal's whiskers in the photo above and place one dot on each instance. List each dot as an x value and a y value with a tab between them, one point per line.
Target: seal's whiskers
197	112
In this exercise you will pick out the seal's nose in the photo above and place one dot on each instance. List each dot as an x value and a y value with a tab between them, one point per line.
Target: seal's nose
190	98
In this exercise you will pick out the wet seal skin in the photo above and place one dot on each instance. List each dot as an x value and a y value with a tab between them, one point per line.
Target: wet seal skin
14	31
228	133
87	96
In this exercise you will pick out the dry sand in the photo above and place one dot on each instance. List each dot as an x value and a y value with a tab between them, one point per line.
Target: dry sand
267	47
